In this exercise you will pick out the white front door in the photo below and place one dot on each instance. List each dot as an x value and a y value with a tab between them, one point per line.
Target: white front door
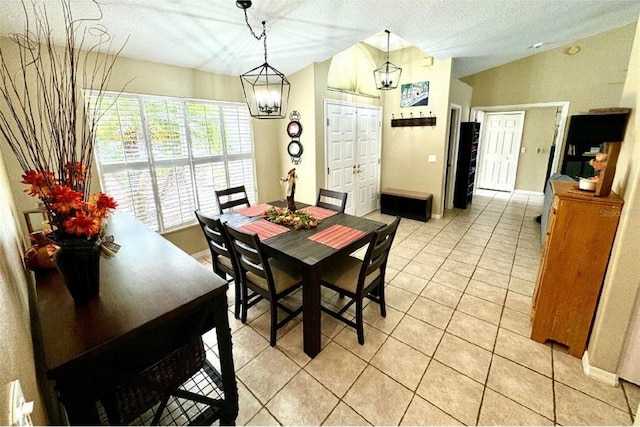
353	154
499	150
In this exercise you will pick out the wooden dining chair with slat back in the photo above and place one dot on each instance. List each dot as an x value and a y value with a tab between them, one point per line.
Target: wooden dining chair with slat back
231	197
359	279
268	278
334	200
222	256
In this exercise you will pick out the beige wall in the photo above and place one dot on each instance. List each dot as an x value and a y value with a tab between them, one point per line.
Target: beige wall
403	146
622	282
15	324
460	93
593	78
538	133
302	101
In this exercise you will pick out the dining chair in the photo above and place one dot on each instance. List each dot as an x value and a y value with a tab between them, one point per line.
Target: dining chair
268	278
232	197
222	256
334	200
359	279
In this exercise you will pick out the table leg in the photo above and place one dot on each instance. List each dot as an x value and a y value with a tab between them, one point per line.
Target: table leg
311	321
230	410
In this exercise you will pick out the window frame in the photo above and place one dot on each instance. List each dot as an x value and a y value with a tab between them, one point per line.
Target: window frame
152	164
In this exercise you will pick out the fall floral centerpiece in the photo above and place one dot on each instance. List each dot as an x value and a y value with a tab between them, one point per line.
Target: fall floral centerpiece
51	130
72	214
297	219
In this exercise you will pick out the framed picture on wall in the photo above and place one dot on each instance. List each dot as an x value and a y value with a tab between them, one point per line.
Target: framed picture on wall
414	94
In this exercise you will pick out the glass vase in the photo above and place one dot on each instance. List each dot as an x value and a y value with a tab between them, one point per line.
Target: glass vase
78	262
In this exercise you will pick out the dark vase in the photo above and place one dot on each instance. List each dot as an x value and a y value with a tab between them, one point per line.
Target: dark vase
78	261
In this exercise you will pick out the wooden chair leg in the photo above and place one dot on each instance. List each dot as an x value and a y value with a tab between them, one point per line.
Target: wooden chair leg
245	302
238	305
274	323
383	306
359	325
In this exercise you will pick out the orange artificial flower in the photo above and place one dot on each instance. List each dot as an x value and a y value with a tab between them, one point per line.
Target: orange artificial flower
40	183
66	199
100	205
82	225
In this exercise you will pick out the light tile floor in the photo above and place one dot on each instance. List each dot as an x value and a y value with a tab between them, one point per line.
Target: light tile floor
454	348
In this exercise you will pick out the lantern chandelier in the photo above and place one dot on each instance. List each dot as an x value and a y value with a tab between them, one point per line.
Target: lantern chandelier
387	75
266	89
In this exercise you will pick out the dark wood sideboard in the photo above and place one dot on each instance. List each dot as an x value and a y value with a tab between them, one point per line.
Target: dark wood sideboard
153	297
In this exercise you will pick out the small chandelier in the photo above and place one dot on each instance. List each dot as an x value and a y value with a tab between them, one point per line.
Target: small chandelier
387	75
266	89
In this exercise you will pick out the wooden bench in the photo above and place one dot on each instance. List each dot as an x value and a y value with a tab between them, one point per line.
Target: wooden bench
407	204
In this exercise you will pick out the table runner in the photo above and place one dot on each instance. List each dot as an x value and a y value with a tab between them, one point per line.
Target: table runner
264	228
337	236
318	212
254	210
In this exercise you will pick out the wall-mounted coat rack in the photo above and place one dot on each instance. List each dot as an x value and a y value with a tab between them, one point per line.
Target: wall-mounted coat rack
413	121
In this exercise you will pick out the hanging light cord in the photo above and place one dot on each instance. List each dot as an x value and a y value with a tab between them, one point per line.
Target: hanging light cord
262	36
388	34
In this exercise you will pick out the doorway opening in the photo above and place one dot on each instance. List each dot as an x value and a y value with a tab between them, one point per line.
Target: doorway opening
556	121
451	156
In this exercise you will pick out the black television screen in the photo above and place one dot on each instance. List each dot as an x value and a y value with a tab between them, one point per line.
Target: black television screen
597	128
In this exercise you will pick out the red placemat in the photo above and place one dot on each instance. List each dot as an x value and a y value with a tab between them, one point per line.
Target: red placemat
264	228
318	212
254	210
337	236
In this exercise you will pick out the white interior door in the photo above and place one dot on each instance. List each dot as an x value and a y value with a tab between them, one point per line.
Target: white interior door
499	150
368	152
353	154
341	149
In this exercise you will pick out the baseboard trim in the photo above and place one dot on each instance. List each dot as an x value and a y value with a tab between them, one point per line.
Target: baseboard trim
529	192
598	374
436	216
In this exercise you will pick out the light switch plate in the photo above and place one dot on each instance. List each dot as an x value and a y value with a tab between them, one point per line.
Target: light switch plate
432	158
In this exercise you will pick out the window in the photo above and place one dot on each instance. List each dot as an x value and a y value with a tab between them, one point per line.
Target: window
162	158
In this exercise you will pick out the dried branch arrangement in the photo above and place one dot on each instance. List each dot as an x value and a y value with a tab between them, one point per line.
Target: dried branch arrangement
43	115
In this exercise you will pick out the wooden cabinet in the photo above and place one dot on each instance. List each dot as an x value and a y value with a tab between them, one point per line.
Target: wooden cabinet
578	241
466	165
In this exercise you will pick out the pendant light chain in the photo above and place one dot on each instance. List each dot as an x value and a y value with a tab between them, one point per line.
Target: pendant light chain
388	34
262	36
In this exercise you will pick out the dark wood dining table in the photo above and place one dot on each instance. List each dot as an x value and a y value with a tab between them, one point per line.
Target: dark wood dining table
311	257
152	297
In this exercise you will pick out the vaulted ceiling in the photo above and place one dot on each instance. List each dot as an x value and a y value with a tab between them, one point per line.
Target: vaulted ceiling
212	35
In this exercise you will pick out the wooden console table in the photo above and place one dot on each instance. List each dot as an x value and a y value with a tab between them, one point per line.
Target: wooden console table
408	204
153	297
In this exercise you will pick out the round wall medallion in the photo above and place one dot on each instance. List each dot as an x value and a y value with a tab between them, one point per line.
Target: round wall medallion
294	129
295	148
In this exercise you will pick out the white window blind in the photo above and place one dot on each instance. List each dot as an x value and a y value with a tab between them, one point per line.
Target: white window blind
162	158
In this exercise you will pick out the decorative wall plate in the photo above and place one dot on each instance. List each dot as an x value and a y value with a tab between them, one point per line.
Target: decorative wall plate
295	148
294	129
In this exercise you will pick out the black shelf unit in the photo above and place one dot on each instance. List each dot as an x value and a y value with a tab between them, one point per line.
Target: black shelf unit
586	133
466	166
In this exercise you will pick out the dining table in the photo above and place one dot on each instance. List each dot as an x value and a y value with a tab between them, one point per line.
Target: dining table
312	250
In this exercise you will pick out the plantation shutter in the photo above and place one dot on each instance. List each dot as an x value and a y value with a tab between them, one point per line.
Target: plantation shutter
162	158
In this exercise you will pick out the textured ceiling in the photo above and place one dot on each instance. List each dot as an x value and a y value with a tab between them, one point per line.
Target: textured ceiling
212	35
